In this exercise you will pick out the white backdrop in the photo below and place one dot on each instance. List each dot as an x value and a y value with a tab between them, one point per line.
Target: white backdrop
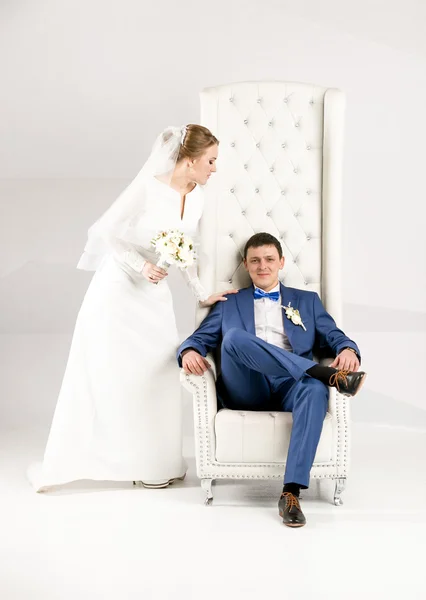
87	85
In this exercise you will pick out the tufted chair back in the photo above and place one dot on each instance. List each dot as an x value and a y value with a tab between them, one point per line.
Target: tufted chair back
278	171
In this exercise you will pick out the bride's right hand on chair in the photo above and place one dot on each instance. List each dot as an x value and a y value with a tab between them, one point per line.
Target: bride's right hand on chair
152	273
217	297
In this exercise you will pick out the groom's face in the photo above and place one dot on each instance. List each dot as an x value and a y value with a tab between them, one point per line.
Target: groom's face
263	264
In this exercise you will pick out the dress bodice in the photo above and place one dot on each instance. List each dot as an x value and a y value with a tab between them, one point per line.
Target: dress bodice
162	211
163	207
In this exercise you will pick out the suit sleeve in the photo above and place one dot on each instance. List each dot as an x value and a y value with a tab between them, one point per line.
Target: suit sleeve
328	332
208	335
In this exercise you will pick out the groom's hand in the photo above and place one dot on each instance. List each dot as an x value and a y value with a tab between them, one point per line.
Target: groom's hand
193	363
346	361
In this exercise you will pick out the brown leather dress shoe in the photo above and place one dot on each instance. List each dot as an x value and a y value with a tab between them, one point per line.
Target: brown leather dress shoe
348	383
290	511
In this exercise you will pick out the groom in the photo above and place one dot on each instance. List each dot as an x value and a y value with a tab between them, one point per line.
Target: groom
266	334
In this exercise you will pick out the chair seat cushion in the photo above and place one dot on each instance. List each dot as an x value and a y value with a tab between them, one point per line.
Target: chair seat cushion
262	437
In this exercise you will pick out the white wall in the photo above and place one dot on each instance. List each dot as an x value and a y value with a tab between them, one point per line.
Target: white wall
88	85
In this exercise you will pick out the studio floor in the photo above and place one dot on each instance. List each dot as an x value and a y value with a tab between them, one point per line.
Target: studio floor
109	540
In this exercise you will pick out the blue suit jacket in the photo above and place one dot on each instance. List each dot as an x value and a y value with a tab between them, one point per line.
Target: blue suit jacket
321	335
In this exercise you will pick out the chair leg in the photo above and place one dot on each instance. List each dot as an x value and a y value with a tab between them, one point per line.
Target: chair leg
206	484
340	484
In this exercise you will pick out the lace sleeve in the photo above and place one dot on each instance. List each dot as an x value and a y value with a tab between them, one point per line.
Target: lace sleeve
127	253
191	277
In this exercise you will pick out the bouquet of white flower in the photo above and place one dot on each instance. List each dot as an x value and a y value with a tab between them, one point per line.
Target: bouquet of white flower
174	248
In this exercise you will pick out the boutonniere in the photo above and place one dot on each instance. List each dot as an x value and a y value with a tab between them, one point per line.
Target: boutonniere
294	315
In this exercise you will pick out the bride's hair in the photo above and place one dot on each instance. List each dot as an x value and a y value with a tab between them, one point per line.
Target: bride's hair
196	140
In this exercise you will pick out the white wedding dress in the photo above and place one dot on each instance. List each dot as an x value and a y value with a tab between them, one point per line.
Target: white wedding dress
119	411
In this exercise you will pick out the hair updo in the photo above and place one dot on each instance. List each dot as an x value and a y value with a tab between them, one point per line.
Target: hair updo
196	141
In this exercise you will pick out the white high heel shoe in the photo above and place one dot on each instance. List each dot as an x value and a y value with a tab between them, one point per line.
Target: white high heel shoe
158	484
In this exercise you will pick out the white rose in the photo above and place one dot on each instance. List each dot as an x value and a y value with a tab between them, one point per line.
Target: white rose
183	254
162	245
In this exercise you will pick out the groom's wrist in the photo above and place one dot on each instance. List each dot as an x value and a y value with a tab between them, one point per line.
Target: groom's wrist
182	354
354	351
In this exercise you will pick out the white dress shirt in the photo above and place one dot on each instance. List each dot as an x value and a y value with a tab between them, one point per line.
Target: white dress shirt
268	320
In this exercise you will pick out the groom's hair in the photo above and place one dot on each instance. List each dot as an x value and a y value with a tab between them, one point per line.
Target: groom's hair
263	239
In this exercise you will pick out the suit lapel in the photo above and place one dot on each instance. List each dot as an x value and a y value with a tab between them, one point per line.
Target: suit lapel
287	297
245	303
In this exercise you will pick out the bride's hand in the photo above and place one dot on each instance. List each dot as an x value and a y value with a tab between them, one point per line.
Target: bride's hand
218	297
152	273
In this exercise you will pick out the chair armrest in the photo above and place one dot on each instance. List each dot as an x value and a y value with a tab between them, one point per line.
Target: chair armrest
203	388
212	363
338	404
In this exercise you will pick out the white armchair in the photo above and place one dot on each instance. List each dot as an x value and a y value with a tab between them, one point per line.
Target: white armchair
279	171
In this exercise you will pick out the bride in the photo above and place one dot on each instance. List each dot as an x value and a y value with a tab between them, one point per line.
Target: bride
118	415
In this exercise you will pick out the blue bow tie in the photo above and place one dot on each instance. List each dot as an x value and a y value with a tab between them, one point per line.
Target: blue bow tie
274	296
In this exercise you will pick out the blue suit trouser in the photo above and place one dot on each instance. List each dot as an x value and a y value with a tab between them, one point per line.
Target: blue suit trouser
257	375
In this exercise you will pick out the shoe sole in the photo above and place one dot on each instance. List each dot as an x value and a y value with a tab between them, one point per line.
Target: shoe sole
364	377
291	524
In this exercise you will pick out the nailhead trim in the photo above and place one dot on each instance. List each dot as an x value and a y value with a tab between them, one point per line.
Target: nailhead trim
211	469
